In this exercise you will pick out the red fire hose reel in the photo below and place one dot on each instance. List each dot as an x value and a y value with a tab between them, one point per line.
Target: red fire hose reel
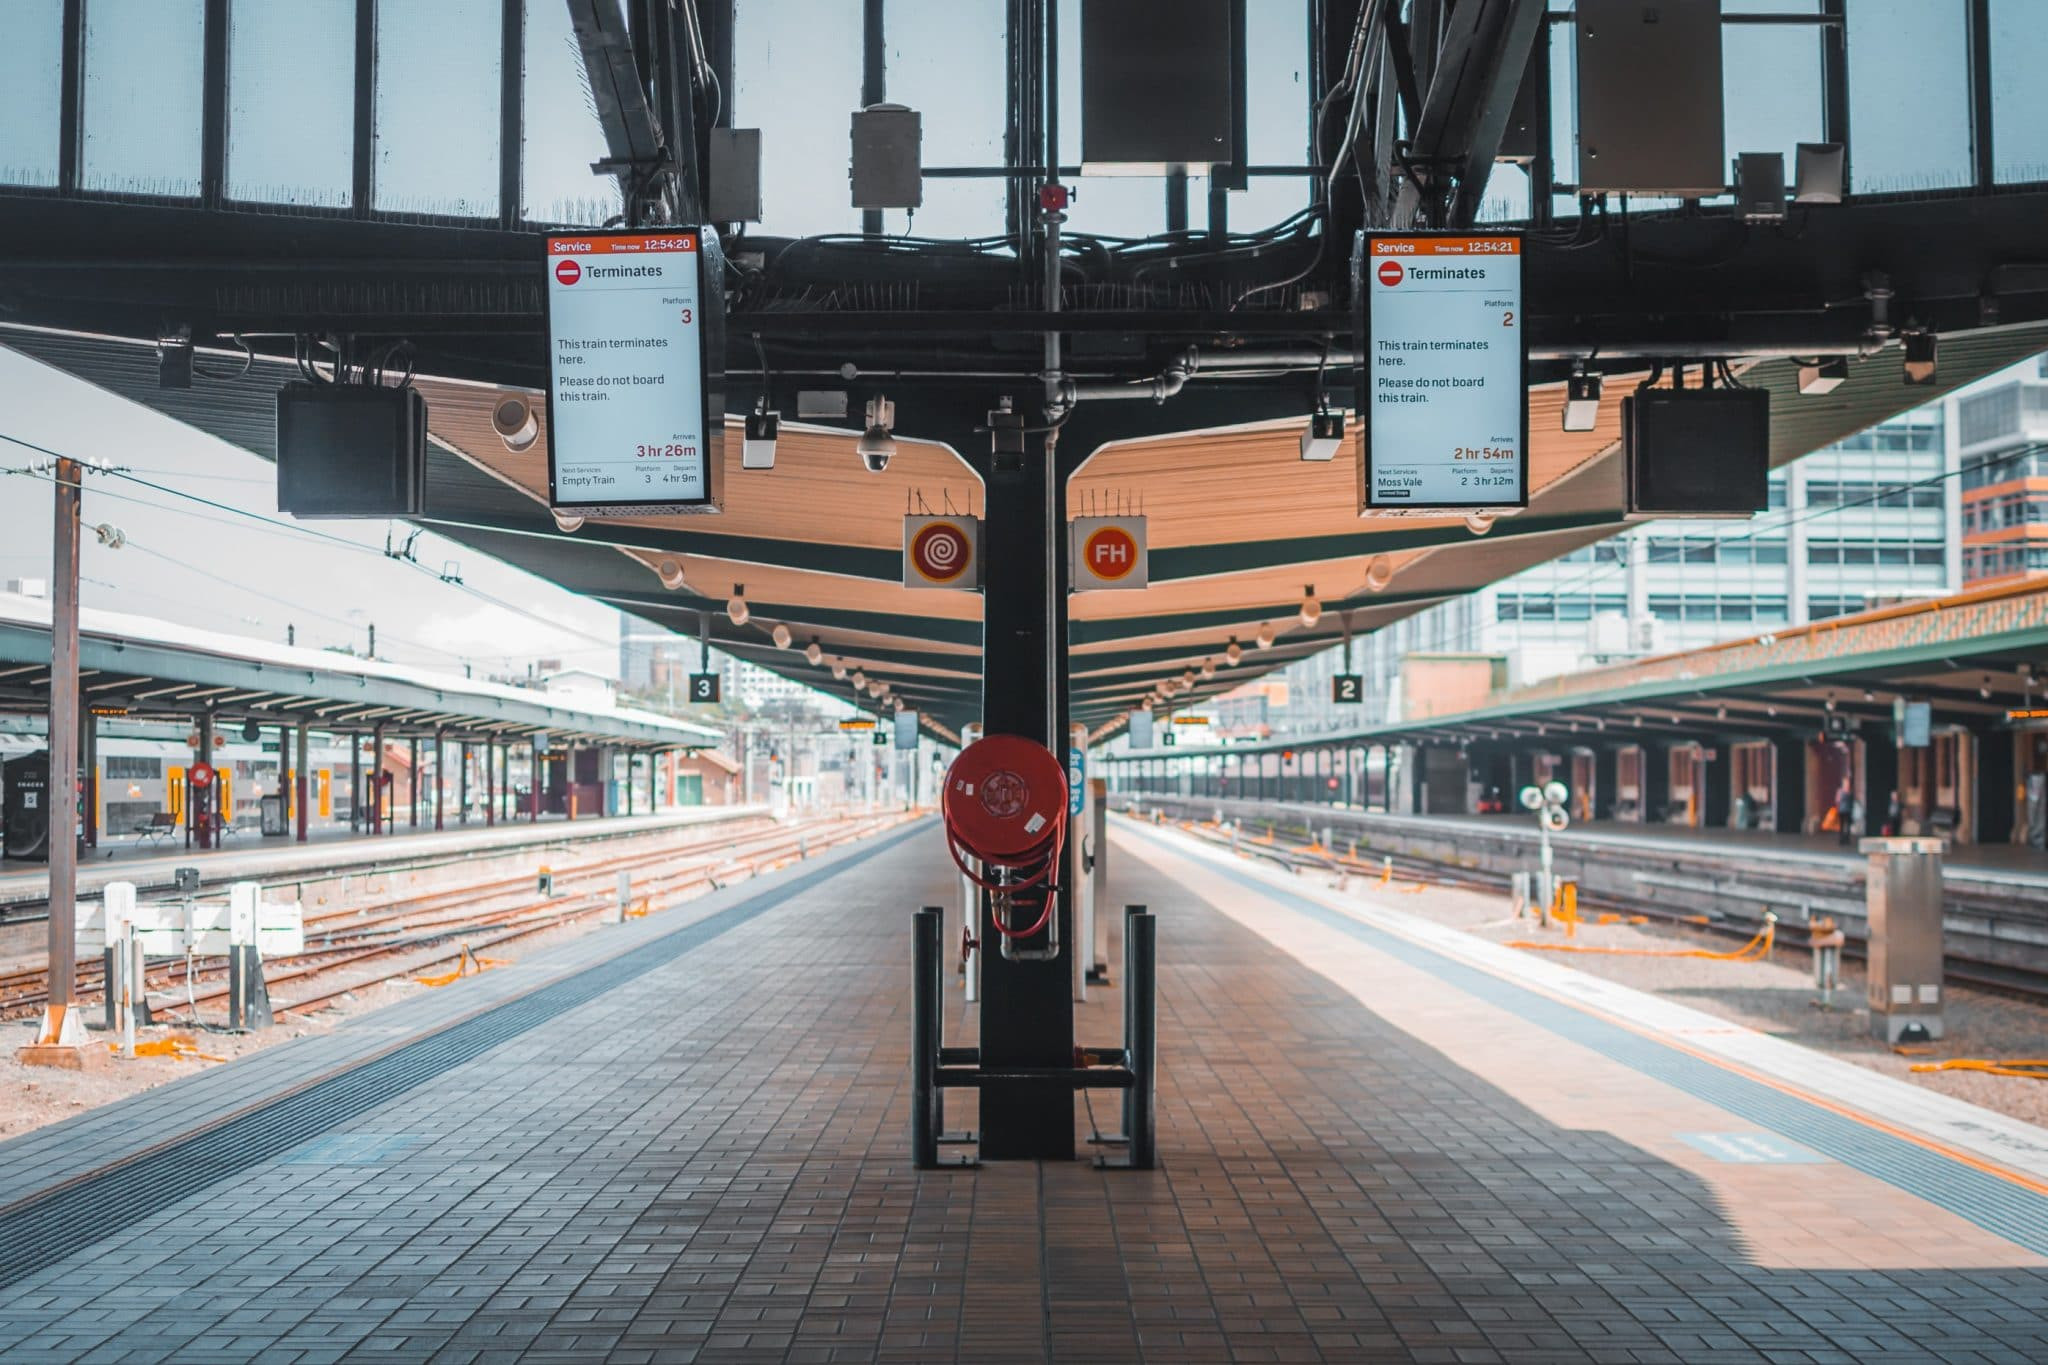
1005	808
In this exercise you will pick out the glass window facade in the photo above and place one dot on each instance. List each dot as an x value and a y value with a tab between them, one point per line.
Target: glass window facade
1909	95
560	133
141	98
31	91
437	107
291	102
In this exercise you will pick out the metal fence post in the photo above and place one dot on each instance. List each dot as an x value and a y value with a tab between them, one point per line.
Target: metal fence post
924	1037
1140	1031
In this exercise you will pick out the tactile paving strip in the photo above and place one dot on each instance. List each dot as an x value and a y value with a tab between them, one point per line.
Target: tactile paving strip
80	1214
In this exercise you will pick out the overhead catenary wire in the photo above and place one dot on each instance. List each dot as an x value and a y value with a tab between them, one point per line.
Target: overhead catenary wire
295	529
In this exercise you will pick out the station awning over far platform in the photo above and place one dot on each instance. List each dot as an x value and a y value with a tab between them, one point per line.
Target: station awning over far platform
1968	656
143	668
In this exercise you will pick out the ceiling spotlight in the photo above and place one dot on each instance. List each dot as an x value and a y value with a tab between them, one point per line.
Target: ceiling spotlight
1771	711
875	688
736	605
1831	703
1379	571
1582	399
1311	609
568	523
1264	639
1919	367
512	418
1187	679
1869	695
757	446
671	573
1478	523
1984	692
877	443
780	635
839	668
1208	669
1720	713
1322	436
814	653
860	681
1233	651
1823	376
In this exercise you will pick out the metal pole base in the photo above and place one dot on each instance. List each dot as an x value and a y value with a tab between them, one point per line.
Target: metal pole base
61	1041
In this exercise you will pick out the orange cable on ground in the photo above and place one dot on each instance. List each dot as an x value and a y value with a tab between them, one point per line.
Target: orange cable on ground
2029	1068
1756	949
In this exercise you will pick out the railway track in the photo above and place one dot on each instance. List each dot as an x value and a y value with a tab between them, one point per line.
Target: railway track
350	949
1295	847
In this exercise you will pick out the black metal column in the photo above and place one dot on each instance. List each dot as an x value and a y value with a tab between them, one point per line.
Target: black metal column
1027	1008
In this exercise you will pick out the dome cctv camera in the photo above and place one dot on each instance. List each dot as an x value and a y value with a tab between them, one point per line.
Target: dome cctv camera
877	444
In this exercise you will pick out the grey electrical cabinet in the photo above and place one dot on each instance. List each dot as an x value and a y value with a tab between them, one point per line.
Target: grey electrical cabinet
888	158
1650	102
1903	901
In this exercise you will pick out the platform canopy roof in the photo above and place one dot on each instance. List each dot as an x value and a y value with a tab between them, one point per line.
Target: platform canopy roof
1237	319
139	667
1979	660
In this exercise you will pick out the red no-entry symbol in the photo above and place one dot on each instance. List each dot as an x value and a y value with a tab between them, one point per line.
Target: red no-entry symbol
202	776
1111	553
1390	271
940	552
568	272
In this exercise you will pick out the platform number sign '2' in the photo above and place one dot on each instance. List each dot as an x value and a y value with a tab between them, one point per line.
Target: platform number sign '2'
1347	689
704	688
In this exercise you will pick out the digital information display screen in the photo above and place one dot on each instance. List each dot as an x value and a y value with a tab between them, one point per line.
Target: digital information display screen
1446	393
627	416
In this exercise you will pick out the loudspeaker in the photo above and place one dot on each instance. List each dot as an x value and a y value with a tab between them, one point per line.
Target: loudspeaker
1697	452
351	450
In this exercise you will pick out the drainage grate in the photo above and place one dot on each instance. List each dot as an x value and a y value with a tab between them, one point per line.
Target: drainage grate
1991	1202
40	1233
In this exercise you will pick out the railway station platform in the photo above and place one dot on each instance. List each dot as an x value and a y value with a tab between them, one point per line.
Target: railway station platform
685	1138
339	850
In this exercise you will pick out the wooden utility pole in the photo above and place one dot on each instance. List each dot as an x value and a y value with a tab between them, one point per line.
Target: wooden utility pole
60	1039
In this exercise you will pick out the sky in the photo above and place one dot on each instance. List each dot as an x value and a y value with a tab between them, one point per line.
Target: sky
258	572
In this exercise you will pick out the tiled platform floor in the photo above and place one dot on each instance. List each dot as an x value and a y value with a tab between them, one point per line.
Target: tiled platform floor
709	1164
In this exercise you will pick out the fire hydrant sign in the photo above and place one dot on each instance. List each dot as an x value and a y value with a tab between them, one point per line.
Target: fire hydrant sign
1446	392
1108	552
627	416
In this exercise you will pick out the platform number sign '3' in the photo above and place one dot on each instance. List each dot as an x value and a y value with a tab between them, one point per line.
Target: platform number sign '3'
1347	689
704	688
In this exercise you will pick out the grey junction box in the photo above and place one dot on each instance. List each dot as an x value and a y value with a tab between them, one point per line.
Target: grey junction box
1903	900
